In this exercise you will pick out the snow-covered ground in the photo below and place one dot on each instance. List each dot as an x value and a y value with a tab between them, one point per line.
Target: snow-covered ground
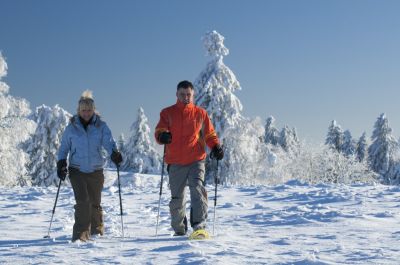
284	224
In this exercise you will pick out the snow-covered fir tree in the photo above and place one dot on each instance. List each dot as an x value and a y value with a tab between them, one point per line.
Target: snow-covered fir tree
382	149
216	85
288	139
121	143
361	149
271	135
348	146
334	138
295	138
393	175
214	91
44	144
15	129
140	154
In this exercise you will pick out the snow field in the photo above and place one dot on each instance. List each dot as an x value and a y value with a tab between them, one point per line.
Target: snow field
292	223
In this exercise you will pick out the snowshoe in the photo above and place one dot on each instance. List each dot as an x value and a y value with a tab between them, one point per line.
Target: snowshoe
199	235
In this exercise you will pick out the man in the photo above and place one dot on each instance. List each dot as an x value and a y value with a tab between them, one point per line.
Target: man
186	129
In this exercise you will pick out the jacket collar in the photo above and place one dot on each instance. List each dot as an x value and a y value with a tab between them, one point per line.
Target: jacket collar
180	105
76	120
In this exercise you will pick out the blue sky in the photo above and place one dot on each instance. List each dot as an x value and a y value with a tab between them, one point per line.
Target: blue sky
304	62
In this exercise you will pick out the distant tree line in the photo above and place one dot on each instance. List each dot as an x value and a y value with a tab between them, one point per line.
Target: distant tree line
256	152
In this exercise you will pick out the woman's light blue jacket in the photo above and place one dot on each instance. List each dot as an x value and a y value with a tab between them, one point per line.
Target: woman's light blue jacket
85	146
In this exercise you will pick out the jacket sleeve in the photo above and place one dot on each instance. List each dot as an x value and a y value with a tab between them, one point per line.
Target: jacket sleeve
162	125
107	140
210	136
65	144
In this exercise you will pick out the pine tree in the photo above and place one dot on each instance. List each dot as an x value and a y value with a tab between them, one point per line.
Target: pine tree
394	173
121	143
214	91
3	72
348	146
288	139
140	154
44	144
361	150
271	135
334	138
382	150
215	87
295	137
15	129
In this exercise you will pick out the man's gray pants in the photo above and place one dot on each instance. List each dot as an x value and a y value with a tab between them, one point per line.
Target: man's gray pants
193	176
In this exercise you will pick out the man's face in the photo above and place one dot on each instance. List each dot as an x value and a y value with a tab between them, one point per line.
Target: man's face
185	95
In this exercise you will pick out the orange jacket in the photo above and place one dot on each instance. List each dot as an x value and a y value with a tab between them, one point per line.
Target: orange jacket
191	130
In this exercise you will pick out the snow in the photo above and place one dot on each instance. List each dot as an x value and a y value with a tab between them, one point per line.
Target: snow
291	223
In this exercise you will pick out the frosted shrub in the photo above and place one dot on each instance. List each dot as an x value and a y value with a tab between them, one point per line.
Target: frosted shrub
320	164
245	154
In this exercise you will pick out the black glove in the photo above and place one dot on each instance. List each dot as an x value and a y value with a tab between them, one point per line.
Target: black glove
116	157
217	152
165	137
62	169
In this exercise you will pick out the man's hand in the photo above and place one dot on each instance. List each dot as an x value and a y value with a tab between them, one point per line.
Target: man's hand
165	138
217	152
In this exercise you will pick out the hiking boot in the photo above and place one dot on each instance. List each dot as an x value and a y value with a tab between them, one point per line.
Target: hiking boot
179	233
84	236
99	230
199	226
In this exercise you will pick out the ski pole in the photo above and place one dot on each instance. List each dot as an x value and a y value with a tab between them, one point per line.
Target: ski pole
54	210
161	184
216	180
120	202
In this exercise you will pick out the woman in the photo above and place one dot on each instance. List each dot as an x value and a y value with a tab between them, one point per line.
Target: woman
83	140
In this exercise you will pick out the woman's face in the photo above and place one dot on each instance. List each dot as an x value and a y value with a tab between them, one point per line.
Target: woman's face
86	113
